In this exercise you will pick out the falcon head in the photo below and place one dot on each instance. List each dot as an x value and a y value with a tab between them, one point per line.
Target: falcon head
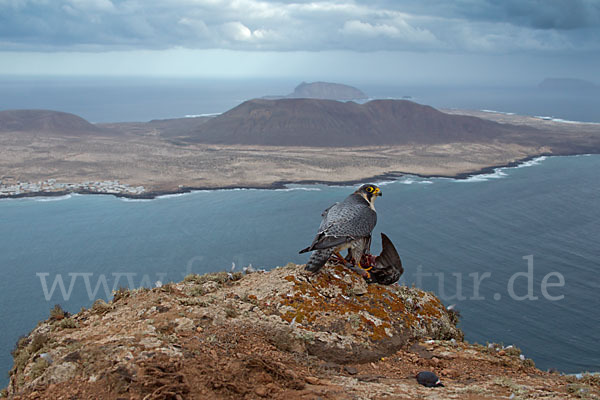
369	192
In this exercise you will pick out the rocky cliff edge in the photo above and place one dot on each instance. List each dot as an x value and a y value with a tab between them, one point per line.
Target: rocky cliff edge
277	334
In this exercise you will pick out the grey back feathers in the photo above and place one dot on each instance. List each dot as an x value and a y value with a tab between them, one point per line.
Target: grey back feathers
342	223
352	217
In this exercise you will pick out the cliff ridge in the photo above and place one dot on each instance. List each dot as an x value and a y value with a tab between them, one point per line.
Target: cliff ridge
278	334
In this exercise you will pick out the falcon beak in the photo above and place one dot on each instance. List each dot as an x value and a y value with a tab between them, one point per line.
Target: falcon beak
378	193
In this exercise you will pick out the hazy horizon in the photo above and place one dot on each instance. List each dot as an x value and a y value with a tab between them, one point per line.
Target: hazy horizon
120	99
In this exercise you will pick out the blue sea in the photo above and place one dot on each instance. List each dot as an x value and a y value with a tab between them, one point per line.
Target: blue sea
517	250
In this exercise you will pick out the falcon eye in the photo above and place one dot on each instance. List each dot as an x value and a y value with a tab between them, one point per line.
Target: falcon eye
369	189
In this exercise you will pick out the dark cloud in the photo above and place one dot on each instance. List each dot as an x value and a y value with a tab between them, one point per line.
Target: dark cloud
414	25
538	14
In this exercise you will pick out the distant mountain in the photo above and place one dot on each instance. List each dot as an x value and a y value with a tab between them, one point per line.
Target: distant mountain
46	121
327	91
323	90
314	122
567	84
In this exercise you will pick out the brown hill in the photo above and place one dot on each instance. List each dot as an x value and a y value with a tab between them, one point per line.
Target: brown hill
46	121
312	122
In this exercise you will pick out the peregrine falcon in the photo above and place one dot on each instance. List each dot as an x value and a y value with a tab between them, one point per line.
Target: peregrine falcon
345	225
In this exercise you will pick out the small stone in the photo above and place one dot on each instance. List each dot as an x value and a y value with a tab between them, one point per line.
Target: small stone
435	360
312	380
47	357
199	329
368	378
261	391
291	374
162	309
350	370
332	366
501	353
73	356
183	324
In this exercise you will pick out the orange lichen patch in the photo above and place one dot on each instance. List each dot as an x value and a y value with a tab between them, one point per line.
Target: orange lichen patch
379	332
334	293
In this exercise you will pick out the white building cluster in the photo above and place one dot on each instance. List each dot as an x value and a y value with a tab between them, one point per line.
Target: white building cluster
51	185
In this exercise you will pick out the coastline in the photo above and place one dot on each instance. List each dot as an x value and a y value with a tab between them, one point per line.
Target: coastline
283	184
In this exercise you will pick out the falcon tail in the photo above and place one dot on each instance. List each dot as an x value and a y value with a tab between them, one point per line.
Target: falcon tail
318	259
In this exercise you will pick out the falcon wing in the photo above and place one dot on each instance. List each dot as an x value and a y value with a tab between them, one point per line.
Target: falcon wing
343	223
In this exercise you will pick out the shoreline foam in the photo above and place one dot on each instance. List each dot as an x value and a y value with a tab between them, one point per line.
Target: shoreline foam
481	175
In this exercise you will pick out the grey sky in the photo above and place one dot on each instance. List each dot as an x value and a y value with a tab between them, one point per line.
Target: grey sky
430	39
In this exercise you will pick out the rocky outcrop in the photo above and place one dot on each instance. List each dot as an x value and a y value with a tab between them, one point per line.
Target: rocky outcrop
278	334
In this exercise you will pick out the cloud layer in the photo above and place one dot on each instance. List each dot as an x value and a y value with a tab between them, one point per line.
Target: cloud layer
411	25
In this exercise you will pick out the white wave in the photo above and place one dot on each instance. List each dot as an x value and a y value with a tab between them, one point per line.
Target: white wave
564	121
39	198
497	174
306	189
500	173
202	115
532	162
384	183
410	179
56	198
128	199
498	112
171	195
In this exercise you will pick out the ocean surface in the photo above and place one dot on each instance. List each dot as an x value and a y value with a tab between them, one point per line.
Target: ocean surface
102	99
517	251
